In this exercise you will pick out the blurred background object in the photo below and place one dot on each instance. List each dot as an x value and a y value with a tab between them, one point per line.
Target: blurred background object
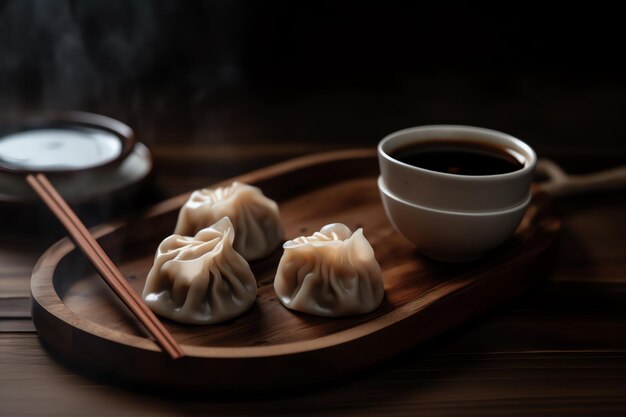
216	88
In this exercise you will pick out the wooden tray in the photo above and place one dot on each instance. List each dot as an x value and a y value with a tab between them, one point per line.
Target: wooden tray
78	317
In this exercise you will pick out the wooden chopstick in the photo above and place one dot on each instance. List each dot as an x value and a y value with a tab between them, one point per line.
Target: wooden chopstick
103	264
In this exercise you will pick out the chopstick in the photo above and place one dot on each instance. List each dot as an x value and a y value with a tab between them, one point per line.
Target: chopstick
103	264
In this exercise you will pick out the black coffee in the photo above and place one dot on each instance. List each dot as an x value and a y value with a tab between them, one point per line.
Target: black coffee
458	157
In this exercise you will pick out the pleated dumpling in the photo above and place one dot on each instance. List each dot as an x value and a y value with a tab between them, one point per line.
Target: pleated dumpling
332	273
258	230
200	279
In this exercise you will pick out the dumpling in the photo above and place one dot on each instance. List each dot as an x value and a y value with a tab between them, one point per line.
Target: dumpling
332	273
200	279
258	230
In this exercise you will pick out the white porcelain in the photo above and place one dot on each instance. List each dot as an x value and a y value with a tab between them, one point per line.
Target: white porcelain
450	191
448	235
49	148
84	185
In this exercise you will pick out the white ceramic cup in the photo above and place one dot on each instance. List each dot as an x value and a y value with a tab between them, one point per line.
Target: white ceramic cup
454	192
451	236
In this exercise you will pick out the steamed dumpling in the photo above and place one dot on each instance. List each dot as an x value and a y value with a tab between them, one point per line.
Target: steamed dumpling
332	273
258	230
200	279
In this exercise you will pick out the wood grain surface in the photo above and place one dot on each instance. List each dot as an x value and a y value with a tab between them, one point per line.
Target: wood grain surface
560	350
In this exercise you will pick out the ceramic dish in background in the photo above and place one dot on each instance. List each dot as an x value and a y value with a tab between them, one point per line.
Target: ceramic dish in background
85	155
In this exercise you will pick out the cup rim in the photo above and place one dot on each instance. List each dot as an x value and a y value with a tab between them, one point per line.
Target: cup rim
488	213
528	166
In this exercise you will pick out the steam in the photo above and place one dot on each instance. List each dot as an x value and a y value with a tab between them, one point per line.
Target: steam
65	53
91	54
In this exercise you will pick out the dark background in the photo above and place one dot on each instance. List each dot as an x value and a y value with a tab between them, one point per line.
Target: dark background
303	76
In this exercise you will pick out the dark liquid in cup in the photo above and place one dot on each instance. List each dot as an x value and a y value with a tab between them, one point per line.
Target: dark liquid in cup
459	157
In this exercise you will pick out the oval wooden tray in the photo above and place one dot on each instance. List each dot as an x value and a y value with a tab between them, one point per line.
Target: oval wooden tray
78	317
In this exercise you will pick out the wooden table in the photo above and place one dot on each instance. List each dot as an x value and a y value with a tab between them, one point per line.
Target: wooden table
560	350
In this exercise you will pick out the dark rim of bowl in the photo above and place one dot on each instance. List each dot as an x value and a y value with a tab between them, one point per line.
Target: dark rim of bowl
30	121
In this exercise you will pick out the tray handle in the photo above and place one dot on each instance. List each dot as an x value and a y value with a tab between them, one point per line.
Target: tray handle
561	184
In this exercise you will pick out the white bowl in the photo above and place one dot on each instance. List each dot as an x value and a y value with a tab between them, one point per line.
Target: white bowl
86	186
451	236
451	191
